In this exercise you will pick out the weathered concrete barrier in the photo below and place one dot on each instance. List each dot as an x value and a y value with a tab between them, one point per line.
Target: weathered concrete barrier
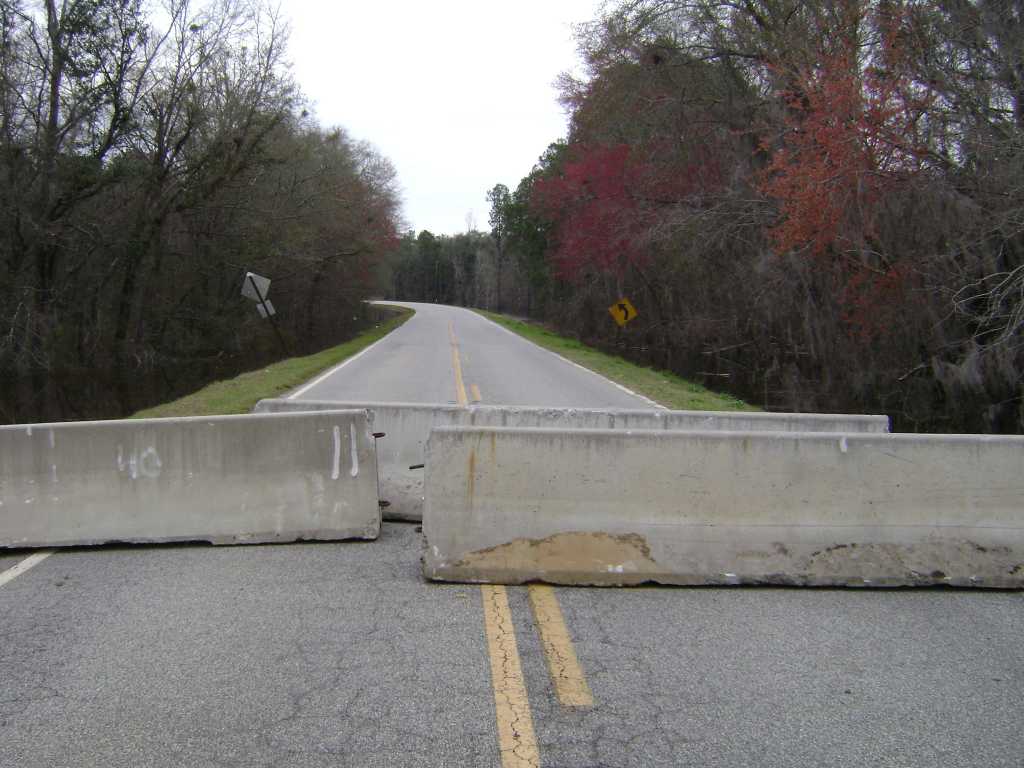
611	507
407	427
224	479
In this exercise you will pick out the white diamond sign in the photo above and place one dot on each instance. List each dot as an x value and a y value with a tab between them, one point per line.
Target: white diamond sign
255	287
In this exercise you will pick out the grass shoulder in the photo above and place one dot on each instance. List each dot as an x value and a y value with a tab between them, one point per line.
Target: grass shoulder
240	394
661	386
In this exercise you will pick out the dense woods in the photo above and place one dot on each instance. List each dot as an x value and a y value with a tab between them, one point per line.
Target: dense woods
813	205
149	156
816	205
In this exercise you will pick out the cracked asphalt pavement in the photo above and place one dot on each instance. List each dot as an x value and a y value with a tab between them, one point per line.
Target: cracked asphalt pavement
339	654
301	655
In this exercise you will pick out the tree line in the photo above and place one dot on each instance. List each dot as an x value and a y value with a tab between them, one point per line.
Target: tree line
818	206
149	156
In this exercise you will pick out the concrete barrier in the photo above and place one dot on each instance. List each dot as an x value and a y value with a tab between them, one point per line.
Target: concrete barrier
407	427
223	479
610	507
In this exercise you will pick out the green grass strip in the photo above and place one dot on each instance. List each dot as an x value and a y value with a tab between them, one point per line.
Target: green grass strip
240	394
660	386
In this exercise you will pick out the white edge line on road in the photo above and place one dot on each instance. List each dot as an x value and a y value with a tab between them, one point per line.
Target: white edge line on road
32	560
336	368
627	390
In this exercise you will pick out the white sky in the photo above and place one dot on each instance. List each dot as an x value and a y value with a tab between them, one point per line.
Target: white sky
458	94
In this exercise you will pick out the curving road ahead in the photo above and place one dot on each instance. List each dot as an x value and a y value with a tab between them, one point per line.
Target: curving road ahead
418	364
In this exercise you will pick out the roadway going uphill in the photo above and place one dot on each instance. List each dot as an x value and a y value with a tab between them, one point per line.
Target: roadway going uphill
444	354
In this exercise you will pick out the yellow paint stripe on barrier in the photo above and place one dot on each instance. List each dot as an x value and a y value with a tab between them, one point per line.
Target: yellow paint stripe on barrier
516	739
566	673
460	387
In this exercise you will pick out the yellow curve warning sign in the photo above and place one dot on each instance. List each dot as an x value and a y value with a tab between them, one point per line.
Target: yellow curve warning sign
622	311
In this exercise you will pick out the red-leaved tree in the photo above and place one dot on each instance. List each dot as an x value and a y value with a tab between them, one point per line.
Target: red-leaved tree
852	136
595	204
851	133
609	199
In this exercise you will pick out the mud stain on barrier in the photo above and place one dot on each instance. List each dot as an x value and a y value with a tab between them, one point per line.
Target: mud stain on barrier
573	557
471	475
778	550
957	563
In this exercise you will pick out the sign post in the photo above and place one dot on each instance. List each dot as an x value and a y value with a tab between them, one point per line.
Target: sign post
256	287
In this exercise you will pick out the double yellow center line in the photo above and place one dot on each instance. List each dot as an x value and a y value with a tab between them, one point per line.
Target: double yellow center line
563	665
517	741
460	387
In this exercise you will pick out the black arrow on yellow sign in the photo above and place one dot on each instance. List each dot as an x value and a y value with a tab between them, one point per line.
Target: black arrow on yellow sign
622	311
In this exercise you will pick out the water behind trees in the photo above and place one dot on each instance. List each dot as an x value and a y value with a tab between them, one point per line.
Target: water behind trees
83	393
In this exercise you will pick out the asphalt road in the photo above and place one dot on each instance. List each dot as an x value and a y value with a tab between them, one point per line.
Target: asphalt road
338	654
414	365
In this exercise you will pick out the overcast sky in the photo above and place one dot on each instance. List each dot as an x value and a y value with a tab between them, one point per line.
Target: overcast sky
458	94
